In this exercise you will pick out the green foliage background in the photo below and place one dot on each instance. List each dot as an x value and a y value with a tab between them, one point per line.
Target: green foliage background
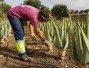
59	11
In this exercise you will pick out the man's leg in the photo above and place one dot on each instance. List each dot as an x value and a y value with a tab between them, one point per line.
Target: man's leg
19	34
24	36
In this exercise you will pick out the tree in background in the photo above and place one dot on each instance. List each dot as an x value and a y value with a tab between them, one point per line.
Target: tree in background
76	11
86	11
45	9
71	11
82	11
35	3
1	0
60	11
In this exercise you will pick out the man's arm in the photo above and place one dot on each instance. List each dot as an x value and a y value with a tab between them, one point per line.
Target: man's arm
31	28
39	33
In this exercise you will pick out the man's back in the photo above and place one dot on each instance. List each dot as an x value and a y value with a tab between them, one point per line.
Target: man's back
24	12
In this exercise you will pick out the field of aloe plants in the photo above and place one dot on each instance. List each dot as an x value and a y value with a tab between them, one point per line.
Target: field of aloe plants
5	28
69	34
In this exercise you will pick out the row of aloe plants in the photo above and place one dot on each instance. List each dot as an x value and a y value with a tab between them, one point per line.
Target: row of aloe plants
70	33
5	28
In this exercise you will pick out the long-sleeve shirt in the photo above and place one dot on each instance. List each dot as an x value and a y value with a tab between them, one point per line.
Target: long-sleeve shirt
26	13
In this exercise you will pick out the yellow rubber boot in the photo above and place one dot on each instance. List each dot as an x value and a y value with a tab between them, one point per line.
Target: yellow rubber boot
21	50
20	46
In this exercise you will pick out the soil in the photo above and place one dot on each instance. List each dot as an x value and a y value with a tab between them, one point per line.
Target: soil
42	57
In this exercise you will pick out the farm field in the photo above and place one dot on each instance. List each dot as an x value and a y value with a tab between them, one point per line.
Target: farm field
61	39
43	59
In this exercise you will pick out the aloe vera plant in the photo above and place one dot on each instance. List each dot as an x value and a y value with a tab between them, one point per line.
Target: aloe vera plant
71	32
85	38
4	28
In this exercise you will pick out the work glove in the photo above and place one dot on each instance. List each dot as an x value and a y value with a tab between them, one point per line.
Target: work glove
47	42
49	45
33	37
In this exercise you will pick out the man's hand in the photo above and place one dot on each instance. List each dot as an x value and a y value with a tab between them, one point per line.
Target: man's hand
47	42
39	33
33	37
50	47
